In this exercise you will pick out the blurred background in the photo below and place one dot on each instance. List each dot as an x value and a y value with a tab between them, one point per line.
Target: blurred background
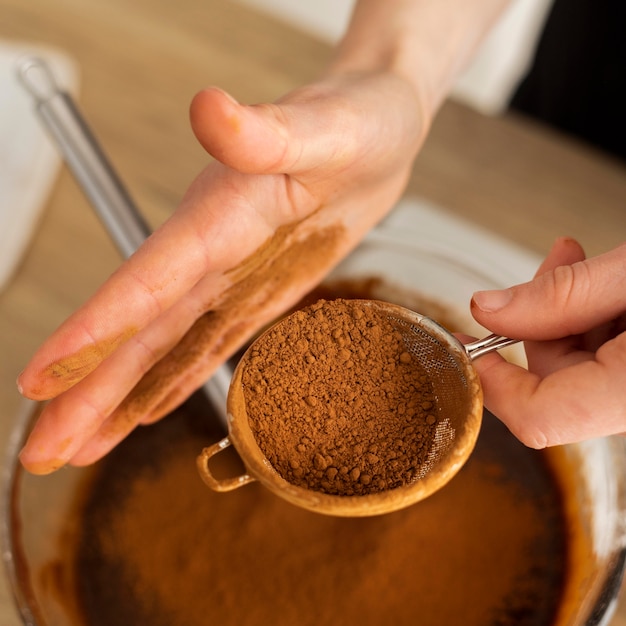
493	185
496	70
560	61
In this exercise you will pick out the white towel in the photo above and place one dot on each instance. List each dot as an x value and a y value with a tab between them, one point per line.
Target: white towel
29	162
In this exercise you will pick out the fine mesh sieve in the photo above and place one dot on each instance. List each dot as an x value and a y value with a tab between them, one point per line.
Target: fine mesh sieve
454	383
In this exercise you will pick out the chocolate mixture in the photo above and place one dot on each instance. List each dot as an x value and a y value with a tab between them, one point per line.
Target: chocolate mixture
336	403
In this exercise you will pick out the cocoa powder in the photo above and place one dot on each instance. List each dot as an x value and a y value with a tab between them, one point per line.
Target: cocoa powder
280	268
336	403
150	544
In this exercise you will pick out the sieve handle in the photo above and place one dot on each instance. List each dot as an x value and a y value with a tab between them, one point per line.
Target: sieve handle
488	344
225	484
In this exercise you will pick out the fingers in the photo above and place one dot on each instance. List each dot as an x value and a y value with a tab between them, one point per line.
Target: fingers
265	138
576	354
73	418
582	401
311	131
565	251
84	423
562	301
142	289
249	139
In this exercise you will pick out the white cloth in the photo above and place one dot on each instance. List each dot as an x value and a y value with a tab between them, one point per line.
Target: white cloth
29	162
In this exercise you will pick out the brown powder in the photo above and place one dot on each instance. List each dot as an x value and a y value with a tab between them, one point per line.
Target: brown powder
156	547
283	265
150	544
68	370
336	403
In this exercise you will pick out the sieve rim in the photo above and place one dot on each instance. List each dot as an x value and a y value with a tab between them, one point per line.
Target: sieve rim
259	467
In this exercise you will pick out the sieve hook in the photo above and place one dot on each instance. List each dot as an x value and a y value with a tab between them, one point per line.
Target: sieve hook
488	344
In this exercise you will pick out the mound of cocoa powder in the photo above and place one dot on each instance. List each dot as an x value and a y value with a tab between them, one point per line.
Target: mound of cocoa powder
336	402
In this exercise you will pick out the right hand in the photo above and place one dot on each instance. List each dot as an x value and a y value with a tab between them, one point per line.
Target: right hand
572	318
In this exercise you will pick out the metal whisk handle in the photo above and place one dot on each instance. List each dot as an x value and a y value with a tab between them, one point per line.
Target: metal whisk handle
99	181
84	156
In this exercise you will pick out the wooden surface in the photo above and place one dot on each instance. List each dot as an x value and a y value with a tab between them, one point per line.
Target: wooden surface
142	62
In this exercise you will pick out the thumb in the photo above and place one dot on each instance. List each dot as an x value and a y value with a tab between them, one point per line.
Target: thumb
565	251
562	300
281	138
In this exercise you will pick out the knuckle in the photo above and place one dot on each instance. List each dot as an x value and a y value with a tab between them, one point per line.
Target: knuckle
569	291
572	284
532	437
531	432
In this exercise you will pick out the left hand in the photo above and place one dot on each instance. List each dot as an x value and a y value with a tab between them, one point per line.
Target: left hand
295	187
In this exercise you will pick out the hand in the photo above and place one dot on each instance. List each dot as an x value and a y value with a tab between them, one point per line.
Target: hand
572	317
295	186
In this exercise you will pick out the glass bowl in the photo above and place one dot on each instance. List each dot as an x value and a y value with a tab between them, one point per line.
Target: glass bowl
433	279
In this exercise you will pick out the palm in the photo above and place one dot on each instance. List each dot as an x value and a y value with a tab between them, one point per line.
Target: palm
297	186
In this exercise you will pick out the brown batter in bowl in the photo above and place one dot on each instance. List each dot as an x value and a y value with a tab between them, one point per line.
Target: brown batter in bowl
517	537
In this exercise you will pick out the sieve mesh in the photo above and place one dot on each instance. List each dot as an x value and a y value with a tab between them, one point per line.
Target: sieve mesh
449	382
453	390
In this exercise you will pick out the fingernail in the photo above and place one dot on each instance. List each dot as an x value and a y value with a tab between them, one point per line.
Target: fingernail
40	468
228	96
492	300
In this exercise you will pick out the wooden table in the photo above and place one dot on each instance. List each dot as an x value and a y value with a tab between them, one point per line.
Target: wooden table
143	61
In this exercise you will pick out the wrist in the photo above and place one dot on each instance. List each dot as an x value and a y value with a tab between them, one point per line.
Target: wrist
427	43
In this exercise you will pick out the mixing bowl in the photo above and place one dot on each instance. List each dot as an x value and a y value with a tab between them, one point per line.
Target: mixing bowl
434	280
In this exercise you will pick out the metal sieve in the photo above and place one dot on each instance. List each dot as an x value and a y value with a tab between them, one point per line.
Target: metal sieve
459	407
